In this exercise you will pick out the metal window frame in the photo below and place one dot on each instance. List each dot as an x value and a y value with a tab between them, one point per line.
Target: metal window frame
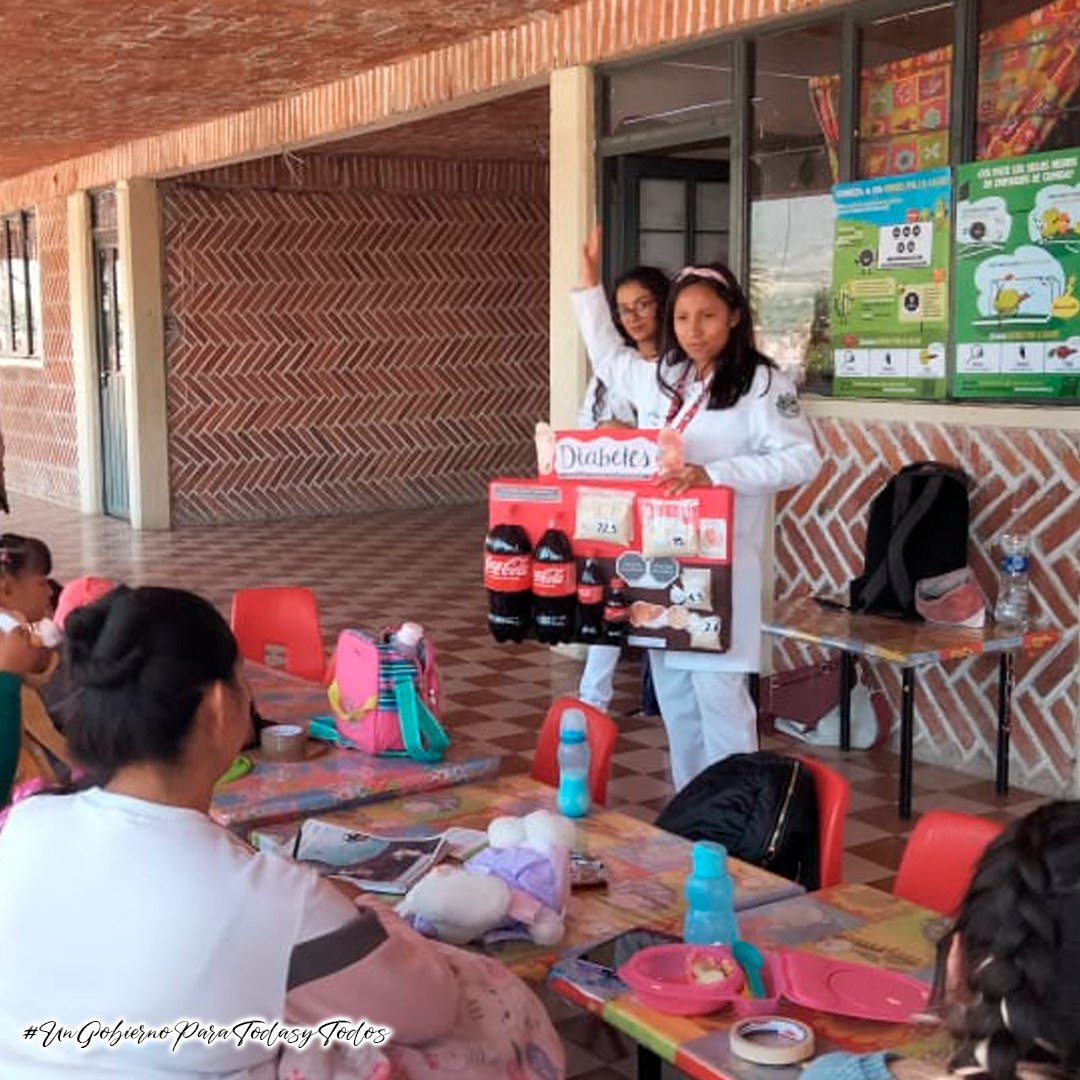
8	334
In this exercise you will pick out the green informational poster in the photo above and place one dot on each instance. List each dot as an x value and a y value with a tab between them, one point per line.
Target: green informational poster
890	286
1017	318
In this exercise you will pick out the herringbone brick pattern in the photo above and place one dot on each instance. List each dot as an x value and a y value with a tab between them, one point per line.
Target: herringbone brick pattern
37	405
1031	477
335	350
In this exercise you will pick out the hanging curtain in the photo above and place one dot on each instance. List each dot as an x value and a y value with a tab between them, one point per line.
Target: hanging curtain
1028	73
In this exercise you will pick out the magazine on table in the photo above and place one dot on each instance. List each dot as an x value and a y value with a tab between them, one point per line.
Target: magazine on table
390	864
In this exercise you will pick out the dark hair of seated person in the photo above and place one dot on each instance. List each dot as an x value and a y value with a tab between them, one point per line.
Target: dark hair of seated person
143	659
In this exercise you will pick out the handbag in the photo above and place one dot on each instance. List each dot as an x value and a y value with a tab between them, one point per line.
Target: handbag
804	693
384	701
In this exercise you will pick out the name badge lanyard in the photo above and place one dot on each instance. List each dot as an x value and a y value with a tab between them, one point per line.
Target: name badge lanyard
677	401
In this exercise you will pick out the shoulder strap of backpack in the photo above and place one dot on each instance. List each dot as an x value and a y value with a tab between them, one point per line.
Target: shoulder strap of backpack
892	570
424	737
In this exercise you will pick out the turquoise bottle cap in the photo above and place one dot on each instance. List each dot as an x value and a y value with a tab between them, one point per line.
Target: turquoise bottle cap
710	859
573	727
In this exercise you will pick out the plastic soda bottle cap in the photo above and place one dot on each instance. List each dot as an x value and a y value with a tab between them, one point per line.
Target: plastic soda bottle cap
710	859
572	726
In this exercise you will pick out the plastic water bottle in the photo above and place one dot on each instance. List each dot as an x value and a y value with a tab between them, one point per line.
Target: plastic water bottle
710	898
1011	609
573	796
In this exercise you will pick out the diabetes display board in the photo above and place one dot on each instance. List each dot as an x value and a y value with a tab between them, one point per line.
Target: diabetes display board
890	286
674	554
1017	265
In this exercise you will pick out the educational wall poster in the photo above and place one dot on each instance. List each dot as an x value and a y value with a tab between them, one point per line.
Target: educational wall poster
890	316
1017	316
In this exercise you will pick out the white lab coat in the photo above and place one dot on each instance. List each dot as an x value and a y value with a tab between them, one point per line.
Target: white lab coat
614	407
761	445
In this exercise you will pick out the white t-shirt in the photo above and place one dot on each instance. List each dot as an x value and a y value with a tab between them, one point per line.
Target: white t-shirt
113	908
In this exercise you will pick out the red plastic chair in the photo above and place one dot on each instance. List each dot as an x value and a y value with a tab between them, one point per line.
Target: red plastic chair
602	733
940	858
285	617
834	798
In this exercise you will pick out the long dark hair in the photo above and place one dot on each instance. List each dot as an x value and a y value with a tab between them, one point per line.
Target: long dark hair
143	659
656	283
737	364
1019	927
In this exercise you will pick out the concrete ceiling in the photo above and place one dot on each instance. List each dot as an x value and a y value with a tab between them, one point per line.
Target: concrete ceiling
514	128
81	76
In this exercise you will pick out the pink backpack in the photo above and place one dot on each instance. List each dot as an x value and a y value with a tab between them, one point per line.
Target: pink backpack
385	702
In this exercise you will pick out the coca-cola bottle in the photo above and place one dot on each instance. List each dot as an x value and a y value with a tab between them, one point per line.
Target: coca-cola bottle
554	586
508	579
616	613
590	603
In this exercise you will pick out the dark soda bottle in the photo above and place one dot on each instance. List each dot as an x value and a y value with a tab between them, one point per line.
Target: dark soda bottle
616	613
590	603
554	587
508	579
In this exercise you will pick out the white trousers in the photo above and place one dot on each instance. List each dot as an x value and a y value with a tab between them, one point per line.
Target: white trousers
709	715
598	679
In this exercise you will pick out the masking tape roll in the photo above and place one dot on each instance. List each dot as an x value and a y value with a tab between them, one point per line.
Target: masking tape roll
772	1040
284	742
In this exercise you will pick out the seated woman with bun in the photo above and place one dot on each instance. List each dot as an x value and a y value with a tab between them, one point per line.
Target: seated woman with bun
1010	970
125	901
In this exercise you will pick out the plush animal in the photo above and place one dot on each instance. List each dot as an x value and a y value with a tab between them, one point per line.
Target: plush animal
517	887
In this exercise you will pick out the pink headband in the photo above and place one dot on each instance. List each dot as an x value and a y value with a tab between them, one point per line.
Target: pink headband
705	272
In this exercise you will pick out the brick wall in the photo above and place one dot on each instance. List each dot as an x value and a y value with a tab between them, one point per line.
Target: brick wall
345	333
1030	475
37	405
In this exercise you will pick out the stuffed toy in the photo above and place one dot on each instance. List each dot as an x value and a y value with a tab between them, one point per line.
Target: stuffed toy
517	887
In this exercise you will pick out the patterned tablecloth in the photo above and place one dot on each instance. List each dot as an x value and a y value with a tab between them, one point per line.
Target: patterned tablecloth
907	644
647	866
854	923
333	779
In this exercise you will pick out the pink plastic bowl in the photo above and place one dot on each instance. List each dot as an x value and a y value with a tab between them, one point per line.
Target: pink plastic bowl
661	977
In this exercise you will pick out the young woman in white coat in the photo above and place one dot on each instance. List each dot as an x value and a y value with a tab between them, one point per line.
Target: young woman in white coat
742	428
637	309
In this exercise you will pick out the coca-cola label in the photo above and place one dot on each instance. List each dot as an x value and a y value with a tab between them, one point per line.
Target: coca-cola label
553	579
589	595
507	573
616	614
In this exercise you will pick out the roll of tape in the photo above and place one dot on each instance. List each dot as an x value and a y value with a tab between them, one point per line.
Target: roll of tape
284	742
772	1040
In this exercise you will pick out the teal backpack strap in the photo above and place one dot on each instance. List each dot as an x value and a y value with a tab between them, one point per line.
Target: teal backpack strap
424	737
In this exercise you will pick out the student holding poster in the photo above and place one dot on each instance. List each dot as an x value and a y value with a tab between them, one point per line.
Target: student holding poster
742	428
638	306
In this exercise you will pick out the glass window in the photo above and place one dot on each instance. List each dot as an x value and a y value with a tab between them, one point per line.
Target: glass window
1029	74
20	291
904	92
794	142
692	88
796	110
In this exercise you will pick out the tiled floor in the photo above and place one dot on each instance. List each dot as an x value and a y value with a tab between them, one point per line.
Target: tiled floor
426	565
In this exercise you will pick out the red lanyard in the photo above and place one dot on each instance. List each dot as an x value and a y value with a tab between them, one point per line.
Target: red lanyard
677	402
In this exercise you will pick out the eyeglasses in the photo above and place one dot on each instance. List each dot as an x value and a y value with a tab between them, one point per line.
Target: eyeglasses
638	307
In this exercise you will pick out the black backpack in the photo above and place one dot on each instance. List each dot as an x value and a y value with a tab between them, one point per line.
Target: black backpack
918	529
762	807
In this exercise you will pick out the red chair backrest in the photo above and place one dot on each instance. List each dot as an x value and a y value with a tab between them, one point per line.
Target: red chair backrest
602	735
285	617
940	858
833	797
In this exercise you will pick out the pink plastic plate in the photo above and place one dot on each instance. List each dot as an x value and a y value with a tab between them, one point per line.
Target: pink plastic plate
857	990
662	978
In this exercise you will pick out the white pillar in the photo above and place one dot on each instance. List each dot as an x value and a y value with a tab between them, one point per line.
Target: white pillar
573	210
139	235
84	352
